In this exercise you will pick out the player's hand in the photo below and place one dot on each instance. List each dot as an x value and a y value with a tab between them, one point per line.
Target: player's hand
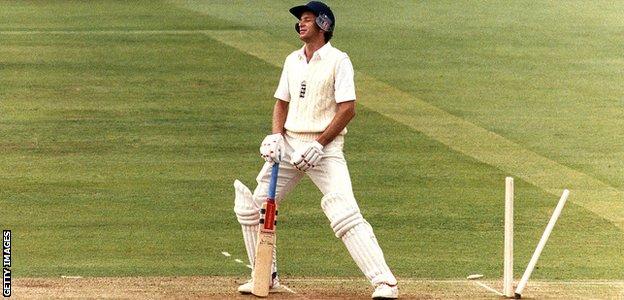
272	147
307	157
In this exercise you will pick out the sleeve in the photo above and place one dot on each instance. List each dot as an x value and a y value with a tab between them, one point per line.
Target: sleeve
282	91
344	85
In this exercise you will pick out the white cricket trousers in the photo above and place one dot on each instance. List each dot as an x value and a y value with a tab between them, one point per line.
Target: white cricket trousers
330	175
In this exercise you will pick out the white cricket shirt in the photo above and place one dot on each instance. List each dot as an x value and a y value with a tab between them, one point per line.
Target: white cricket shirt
314	88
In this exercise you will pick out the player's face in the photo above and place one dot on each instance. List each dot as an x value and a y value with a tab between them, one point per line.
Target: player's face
308	30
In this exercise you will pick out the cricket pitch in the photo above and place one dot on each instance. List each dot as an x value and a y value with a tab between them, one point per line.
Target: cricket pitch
218	287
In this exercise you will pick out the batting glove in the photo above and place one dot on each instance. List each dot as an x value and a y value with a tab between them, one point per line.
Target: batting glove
272	147
308	156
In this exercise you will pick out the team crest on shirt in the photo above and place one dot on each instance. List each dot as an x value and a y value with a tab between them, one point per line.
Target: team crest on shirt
302	91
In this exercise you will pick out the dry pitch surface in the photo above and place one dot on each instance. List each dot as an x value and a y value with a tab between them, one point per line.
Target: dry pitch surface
207	287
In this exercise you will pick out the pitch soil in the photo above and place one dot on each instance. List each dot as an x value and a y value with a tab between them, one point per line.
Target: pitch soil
216	287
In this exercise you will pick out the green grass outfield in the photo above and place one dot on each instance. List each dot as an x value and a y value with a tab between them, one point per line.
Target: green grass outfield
124	125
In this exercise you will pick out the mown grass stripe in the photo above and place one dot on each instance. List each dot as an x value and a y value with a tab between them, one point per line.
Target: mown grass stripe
456	133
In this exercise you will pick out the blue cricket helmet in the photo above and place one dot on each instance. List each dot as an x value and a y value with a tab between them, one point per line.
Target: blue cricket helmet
324	16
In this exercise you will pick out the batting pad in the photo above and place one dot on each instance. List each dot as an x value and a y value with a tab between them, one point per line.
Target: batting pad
343	212
248	215
357	235
246	211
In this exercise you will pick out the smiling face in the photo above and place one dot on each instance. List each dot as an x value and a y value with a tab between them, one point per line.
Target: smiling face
308	31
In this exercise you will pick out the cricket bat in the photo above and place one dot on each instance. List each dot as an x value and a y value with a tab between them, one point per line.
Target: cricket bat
266	241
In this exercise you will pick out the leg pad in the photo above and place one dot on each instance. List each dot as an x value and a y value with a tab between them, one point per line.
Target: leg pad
342	211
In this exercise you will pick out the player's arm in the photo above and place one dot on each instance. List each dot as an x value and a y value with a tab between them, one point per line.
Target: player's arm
346	112
271	147
280	110
307	157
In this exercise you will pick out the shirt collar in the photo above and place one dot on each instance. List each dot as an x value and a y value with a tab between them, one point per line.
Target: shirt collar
320	53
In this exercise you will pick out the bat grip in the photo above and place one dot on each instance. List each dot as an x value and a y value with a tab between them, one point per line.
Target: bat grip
273	182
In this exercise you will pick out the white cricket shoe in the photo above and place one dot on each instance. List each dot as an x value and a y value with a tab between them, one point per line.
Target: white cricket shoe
384	291
248	286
